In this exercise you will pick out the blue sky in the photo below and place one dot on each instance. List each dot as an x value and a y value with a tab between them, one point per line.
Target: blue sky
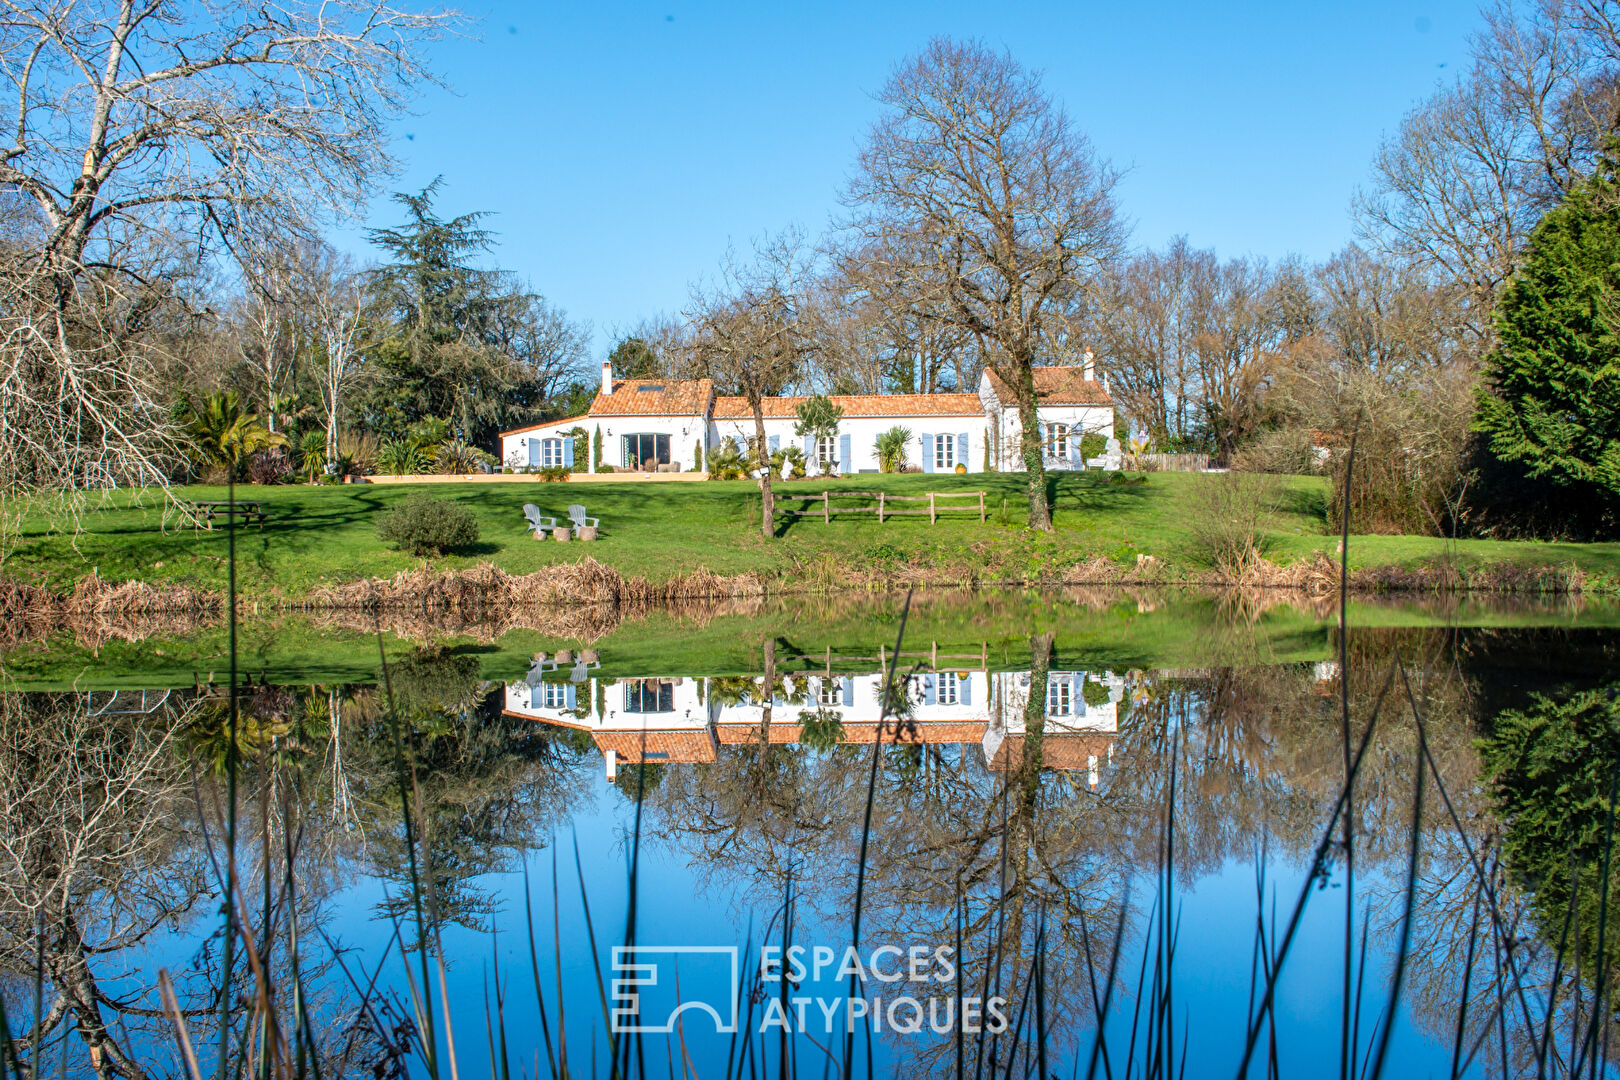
621	146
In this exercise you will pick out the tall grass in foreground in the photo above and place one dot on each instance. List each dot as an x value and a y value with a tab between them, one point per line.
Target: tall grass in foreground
1522	1009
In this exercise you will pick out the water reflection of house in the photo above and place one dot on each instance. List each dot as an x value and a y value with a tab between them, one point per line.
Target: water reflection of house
687	719
1081	721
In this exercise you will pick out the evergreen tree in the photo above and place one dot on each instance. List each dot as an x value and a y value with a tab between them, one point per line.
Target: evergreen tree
465	344
1551	403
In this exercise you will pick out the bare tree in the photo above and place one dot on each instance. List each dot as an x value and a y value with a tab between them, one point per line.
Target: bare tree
333	294
264	331
1458	188
997	202
752	337
137	122
1144	328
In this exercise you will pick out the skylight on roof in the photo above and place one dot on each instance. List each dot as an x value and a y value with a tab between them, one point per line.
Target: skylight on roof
648	389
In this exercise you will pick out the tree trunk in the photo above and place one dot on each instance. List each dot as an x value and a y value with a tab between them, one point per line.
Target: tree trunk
1029	766
1029	424
767	498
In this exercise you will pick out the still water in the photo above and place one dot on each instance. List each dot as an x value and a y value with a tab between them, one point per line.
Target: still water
814	839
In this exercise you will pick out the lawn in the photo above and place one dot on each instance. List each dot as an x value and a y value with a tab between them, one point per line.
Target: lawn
319	535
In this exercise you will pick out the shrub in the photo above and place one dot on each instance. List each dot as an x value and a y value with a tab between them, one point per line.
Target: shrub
596	451
605	469
269	466
725	463
1288	450
423	525
553	473
1228	516
791	456
357	454
1094	692
697	456
395	457
821	729
1093	444
458	458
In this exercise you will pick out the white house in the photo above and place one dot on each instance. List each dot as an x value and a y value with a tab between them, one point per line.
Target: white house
670	425
682	719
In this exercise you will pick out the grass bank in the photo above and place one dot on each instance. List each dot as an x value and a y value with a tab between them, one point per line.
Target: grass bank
320	537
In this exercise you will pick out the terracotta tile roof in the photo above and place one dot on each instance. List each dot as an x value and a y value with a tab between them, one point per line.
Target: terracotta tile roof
1056	386
672	746
655	397
547	424
857	405
1066	751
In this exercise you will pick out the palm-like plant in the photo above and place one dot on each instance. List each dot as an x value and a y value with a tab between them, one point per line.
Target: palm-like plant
891	448
312	454
222	433
399	458
786	455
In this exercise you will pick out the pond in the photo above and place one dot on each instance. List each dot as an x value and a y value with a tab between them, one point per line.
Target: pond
937	835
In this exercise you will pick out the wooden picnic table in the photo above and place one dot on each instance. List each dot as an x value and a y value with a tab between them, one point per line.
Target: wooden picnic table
249	512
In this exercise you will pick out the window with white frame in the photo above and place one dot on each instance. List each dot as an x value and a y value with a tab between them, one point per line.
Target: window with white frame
1059	697
944	452
551	452
554	695
831	692
1057	440
826	450
948	688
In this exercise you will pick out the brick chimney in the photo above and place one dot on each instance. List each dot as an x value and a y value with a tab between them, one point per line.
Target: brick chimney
1088	369
607	376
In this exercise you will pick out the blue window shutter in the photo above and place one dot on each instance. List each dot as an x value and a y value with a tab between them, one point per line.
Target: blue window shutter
568	450
573	696
1077	699
930	689
962	449
810	448
775	443
964	690
849	691
737	442
534	451
843	454
1074	448
928	453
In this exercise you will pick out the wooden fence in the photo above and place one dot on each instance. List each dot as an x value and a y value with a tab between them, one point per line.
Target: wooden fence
826	510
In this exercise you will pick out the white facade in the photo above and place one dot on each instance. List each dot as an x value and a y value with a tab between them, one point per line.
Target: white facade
937	443
977	431
679	719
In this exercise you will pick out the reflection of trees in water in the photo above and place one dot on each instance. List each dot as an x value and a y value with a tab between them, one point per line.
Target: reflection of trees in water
98	855
112	837
1553	772
1255	758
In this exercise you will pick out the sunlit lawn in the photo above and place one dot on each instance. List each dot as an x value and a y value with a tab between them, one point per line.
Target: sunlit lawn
328	534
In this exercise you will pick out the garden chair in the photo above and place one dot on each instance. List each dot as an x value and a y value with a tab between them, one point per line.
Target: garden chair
576	514
537	523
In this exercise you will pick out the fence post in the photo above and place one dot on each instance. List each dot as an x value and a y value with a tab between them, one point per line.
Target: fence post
826	507
933	515
880	508
981	508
